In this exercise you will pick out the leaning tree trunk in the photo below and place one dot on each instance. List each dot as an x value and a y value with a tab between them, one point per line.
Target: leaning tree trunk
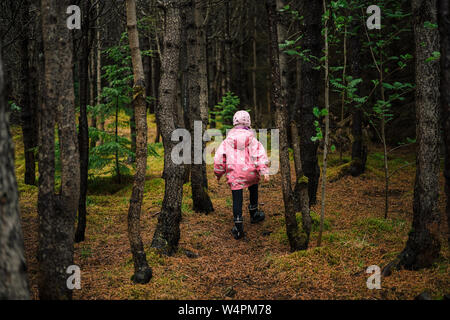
142	271
298	240
83	126
167	233
310	92
423	245
13	269
444	27
57	211
198	104
359	149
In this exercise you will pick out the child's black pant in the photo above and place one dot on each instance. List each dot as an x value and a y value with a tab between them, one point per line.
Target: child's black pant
238	196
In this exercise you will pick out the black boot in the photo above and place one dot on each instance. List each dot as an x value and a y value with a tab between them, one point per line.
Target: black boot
255	214
238	229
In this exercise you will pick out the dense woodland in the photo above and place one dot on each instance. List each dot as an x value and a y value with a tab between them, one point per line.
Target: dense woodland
86	122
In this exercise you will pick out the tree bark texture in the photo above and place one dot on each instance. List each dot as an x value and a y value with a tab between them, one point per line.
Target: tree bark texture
298	240
167	233
13	268
423	245
57	212
444	27
142	271
310	91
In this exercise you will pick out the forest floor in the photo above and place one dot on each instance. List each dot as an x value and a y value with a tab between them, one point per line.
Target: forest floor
260	266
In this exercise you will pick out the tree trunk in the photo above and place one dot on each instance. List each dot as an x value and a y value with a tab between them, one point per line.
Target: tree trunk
301	184
298	240
83	127
423	245
28	108
256	115
198	104
227	45
142	271
327	127
13	268
444	27
310	92
96	73
167	233
57	211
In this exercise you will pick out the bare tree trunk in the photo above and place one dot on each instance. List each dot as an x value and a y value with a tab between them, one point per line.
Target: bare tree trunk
13	275
298	240
198	104
423	245
142	271
228	53
28	108
83	127
255	59
167	233
444	27
310	93
96	73
57	211
327	129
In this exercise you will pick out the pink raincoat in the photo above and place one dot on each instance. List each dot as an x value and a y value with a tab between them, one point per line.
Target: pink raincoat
242	158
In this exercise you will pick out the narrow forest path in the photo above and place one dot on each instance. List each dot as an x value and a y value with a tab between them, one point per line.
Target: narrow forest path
259	266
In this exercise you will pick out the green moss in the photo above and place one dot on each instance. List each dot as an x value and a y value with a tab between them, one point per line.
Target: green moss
336	173
315	221
303	180
281	236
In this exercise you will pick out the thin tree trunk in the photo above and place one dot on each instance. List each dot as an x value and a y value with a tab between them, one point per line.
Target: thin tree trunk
228	53
57	211
142	271
13	269
83	130
298	240
255	65
167	233
444	28
310	93
28	109
423	245
343	92
327	128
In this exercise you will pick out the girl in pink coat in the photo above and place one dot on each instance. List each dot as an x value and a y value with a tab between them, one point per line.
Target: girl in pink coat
242	159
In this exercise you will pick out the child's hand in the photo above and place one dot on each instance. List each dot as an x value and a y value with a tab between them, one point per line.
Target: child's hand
266	178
